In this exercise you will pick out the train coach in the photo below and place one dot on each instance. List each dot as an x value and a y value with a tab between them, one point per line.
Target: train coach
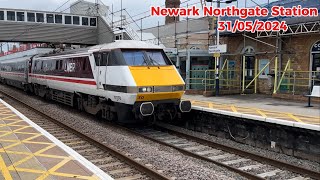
127	81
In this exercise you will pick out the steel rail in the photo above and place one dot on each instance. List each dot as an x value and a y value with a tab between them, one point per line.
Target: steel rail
259	158
140	167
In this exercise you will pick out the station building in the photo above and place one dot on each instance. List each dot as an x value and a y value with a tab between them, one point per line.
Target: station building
282	64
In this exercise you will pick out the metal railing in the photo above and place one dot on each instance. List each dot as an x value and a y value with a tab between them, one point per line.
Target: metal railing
298	82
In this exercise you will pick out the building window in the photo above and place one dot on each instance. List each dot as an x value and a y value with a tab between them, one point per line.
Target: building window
67	20
93	22
1	15
76	20
20	16
58	19
50	18
119	37
40	17
31	17
85	21
11	16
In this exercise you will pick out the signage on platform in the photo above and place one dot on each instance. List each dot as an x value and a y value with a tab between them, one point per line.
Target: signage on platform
316	47
173	51
218	49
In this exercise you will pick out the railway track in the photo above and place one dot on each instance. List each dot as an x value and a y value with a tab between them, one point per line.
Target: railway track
115	163
247	164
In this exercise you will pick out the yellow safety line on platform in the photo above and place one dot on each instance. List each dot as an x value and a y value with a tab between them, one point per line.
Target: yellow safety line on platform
54	168
294	117
5	171
233	108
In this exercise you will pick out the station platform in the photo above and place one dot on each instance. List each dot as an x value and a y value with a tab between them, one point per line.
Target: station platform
29	152
260	108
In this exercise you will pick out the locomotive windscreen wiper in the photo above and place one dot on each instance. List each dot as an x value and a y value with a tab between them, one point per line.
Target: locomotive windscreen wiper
154	61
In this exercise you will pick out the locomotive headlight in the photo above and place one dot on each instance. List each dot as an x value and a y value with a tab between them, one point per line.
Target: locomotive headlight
149	89
145	89
177	88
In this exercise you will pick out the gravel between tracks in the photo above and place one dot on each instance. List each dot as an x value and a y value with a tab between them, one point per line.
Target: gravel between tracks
267	153
170	161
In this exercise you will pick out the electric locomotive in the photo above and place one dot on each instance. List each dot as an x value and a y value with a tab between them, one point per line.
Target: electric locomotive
124	81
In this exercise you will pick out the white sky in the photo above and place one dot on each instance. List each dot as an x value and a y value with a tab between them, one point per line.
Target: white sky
134	7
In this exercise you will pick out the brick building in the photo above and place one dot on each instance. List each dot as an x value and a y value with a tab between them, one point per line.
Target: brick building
296	51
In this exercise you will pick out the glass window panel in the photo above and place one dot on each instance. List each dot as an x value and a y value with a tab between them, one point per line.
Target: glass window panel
20	16
58	19
85	21
1	15
50	18
156	58
31	17
67	19
11	16
76	20
93	22
135	58
40	17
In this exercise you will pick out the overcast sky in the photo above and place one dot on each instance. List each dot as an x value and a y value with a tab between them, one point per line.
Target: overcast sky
134	7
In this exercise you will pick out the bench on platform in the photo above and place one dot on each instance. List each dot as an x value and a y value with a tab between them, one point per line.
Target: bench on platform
315	93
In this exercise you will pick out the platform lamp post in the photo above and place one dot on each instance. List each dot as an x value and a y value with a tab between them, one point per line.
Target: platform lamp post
217	57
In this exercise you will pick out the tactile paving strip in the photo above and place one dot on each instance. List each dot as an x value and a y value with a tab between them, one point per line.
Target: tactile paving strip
258	112
25	153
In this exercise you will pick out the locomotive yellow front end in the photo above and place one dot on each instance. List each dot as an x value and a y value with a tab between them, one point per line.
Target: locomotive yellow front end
160	89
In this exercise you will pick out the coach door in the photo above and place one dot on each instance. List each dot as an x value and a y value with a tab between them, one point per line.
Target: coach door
26	71
101	62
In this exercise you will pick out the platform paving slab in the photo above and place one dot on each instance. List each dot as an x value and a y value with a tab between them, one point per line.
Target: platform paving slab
29	152
261	108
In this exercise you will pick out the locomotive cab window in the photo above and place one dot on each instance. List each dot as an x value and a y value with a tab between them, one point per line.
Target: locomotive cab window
101	58
135	58
145	58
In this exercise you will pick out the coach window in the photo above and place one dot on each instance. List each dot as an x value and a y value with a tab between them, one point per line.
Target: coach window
1	15
40	17
67	20
85	21
76	20
20	16
50	18
11	16
31	17
93	22
58	19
